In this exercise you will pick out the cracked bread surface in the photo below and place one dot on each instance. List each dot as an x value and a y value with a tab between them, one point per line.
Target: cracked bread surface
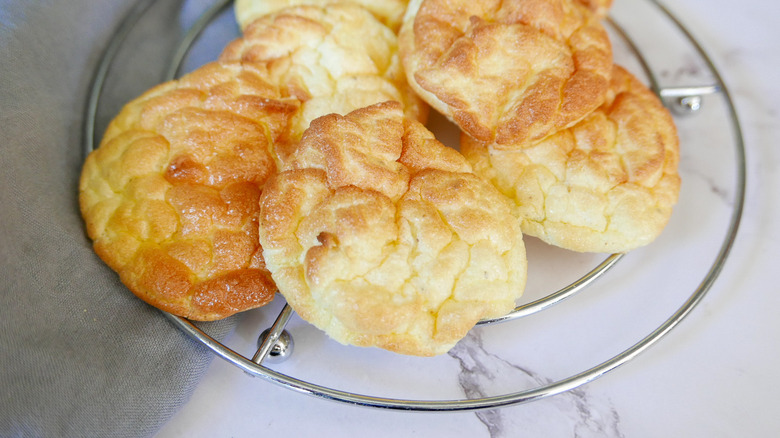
507	72
608	184
334	59
389	12
381	236
170	197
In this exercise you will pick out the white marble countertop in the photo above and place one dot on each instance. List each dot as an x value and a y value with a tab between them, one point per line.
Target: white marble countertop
714	375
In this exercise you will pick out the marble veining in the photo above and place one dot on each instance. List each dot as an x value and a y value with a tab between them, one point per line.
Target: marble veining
483	373
690	72
717	187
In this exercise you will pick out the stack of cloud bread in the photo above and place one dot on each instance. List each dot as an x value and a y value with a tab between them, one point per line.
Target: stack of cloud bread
587	154
299	162
373	230
170	197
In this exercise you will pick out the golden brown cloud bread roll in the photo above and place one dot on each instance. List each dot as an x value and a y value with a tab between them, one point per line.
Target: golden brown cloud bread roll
389	12
381	236
608	184
506	72
334	59
170	197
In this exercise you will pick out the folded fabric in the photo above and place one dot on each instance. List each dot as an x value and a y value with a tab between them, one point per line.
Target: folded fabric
79	354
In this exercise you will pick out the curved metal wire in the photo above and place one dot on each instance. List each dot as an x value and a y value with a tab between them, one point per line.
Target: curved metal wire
99	78
514	398
557	297
174	68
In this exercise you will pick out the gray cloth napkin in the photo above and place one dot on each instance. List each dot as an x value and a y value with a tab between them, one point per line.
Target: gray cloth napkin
79	354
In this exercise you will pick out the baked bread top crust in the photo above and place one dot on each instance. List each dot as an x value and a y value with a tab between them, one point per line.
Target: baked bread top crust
599	7
507	72
170	197
389	12
381	236
333	58
608	184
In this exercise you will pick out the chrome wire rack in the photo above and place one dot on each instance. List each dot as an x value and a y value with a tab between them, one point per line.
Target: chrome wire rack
275	343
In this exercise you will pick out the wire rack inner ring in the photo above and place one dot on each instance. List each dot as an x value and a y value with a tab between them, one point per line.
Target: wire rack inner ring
686	98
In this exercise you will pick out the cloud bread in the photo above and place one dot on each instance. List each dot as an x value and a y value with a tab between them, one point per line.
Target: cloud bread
389	12
334	59
599	7
507	72
608	184
381	236
170	197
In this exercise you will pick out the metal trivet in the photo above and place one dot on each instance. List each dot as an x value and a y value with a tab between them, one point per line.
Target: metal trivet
275	343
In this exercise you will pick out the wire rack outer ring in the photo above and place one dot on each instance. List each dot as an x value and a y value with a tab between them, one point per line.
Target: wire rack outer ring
514	398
